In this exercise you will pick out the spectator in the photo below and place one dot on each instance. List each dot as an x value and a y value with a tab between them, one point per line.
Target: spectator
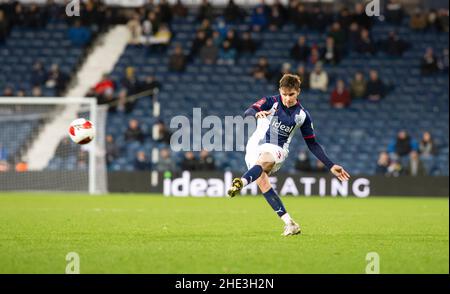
161	133
393	45
21	166
300	16
247	44
177	61
179	9
443	62
206	27
304	76
106	84
418	20
302	163
56	79
161	39
135	28
353	36
383	164
3	153
375	87
340	97
4	27
314	56
429	64
112	150
262	70
134	131
8	91
209	52
189	162
365	44
150	83
38	74
330	54
318	79
443	20
197	44
275	20
285	69
227	54
233	39
319	19
320	168
339	37
130	82
345	19
36	91
205	11
149	26
394	12
402	145
124	105
106	98
358	86
428	150
79	35
259	19
141	162
395	168
165	12
4	166
415	166
206	161
165	162
432	20
301	50
361	18
232	13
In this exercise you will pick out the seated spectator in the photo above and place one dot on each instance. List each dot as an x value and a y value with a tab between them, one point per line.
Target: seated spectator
443	62
358	86
56	79
314	56
165	162
395	168
402	145
318	79
150	83
383	164
161	133
340	97
394	12
38	74
339	37
393	45
319	19
301	50
205	11
79	35
124	105
106	83
135	28
443	20
415	166
8	91
302	162
428	150
130	82
354	34
161	39
197	44
165	12
304	76
36	91
179	9
189	162
275	20
233	13
107	98
259	19
141	162
247	44
177	61
227	54
299	15
365	44
209	52
262	70
375	87
150	26
429	64
134	132
112	150
206	162
233	39
285	69
432	20
418	20
330	54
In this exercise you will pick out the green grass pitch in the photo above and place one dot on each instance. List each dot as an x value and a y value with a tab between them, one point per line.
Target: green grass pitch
156	234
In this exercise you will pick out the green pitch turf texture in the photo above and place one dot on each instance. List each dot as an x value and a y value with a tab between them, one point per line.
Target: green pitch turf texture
156	234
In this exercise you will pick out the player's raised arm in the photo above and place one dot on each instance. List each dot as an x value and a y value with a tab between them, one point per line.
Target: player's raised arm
310	139
260	108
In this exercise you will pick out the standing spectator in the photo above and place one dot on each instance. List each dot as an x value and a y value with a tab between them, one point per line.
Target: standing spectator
394	12
141	162
383	164
304	76
197	44
418	20
247	44
79	35
232	13
428	150
227	54
393	45
259	19
205	11
130	82
262	70
402	145
301	50
429	63
375	87
135	28
365	44
302	162
318	79
189	162
206	161
340	97
415	166
165	162
209	52
177	61
134	131
112	150
330	54
358	86
179	9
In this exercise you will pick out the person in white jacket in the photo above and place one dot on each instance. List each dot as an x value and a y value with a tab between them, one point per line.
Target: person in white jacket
318	78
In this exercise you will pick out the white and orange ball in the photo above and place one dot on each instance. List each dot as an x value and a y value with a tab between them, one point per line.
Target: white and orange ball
81	131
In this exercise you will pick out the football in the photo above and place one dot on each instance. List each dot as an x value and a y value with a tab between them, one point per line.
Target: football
81	131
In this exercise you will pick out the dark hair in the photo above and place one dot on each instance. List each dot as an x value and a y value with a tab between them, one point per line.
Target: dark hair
290	81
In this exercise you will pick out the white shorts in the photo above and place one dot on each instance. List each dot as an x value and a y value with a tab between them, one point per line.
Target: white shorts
254	148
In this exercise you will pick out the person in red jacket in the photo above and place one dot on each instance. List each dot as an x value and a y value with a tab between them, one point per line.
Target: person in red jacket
340	97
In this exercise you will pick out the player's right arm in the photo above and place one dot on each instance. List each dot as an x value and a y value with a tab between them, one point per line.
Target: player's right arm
260	108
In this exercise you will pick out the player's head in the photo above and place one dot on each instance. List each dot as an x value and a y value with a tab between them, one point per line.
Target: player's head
289	89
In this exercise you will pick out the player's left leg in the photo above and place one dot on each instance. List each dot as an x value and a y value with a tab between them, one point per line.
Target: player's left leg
291	227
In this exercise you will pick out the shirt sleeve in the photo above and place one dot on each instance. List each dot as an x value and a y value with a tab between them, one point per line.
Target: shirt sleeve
265	103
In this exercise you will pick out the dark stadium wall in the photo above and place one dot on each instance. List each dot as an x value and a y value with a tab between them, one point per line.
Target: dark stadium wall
214	184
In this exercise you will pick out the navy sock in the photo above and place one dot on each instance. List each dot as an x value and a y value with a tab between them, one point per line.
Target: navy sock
252	174
275	201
